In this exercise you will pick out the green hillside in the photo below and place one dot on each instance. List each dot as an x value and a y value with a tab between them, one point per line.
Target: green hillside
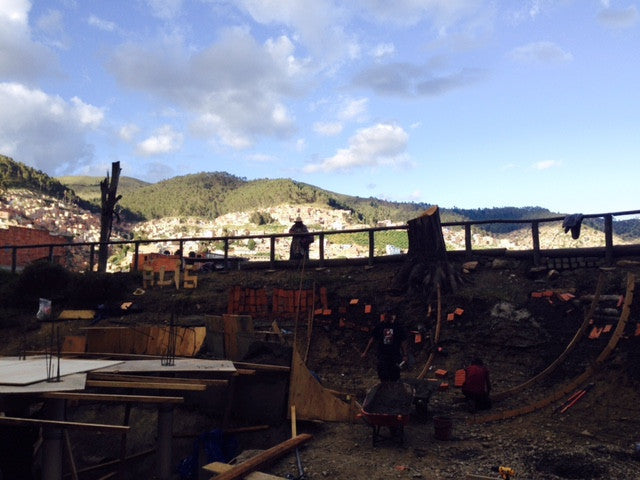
88	188
18	175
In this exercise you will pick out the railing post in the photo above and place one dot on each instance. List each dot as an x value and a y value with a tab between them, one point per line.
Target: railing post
321	249
467	238
14	259
272	252
226	254
535	234
371	247
136	251
608	239
92	255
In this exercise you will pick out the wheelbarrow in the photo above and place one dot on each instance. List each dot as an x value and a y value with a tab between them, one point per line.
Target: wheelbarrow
388	405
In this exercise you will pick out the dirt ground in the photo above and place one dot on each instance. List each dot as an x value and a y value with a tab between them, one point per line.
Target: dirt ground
517	334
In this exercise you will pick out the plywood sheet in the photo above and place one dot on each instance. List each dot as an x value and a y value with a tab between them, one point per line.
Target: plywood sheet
68	383
181	365
312	400
34	369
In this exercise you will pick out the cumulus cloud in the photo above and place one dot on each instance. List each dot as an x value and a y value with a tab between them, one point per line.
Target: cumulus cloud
317	24
327	129
21	57
165	9
383	50
234	88
164	140
354	109
101	24
540	52
618	18
47	132
381	144
128	132
410	12
546	164
410	80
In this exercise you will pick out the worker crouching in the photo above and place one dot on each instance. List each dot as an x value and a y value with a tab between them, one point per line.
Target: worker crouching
477	386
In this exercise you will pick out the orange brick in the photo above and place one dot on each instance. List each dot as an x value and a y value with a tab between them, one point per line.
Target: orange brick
547	293
354	301
443	386
450	317
458	311
367	309
536	294
326	311
460	377
417	338
318	311
440	372
595	333
607	328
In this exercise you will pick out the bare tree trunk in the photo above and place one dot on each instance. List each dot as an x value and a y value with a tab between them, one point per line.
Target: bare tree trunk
427	266
109	198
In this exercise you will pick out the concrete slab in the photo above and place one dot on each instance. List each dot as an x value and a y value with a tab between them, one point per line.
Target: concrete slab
14	371
181	365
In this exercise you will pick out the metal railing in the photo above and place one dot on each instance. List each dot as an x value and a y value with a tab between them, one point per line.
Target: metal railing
536	252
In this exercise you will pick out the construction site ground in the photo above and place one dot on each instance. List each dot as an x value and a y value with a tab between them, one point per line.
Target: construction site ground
504	316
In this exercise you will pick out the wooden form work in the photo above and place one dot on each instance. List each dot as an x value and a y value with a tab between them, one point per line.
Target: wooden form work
312	400
145	340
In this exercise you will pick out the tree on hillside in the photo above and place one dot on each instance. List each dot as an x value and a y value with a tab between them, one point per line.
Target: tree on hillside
109	198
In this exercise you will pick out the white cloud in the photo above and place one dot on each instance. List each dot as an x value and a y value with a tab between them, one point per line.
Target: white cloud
234	88
383	50
540	52
619	18
381	144
442	13
101	24
354	109
327	129
21	58
318	24
165	9
128	132
164	140
45	131
546	164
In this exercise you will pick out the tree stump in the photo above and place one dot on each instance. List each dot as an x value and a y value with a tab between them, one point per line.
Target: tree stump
427	266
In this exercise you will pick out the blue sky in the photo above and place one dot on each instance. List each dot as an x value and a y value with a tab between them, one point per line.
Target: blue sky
459	103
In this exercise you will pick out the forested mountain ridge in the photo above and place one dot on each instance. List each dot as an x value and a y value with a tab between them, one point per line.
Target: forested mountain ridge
210	195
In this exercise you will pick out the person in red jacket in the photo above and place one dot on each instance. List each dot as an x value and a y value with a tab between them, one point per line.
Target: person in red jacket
477	386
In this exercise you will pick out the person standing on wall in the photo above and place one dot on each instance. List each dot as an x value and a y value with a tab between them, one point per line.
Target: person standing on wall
299	243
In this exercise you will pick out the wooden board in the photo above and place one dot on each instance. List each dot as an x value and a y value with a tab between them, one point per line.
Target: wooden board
74	344
312	400
77	315
34	369
181	365
68	383
219	467
145	340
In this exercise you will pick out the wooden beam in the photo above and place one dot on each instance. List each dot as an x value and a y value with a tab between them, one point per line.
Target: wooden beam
260	366
146	386
105	397
219	467
254	463
144	378
98	427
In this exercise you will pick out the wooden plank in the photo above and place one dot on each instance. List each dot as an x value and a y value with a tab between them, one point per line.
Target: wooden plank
144	378
180	365
219	467
146	385
97	427
263	366
106	397
34	369
312	400
74	344
269	455
77	315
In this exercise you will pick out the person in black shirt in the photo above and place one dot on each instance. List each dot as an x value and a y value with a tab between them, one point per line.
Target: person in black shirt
391	340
